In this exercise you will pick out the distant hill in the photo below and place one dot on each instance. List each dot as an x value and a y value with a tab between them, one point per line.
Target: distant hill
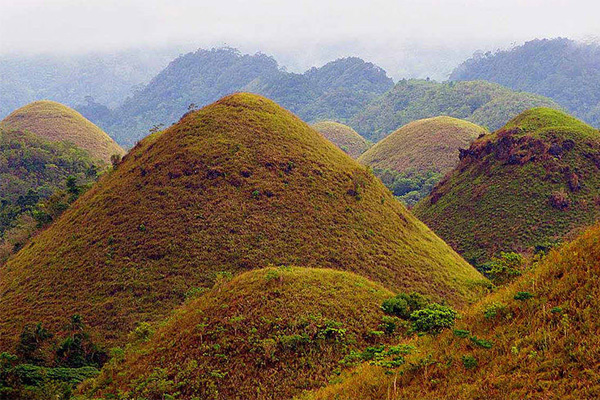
412	159
537	338
564	70
486	104
343	137
337	90
235	186
59	123
269	333
526	185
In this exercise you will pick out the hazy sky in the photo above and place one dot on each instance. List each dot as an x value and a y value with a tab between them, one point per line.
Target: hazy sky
302	32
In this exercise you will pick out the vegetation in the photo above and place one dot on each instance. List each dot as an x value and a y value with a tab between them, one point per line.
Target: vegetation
561	69
343	137
486	104
503	194
411	160
58	123
232	187
338	90
542	344
268	333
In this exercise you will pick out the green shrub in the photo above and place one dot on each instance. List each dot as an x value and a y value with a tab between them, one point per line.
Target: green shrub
469	362
505	268
403	305
486	344
495	309
523	296
433	319
461	333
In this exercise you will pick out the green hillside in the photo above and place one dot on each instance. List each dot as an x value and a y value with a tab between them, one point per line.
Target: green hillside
525	186
235	186
343	137
486	104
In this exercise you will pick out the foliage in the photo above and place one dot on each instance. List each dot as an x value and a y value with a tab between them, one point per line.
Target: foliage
403	305
433	318
410	186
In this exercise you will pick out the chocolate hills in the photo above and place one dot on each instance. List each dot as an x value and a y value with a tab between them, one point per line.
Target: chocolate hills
235	186
486	104
526	185
537	338
56	122
343	137
268	333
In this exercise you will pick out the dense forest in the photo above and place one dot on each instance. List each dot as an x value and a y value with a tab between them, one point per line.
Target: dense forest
564	70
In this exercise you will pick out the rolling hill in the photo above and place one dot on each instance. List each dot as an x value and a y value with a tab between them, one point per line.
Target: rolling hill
343	137
235	186
56	122
564	70
524	186
337	90
486	104
537	338
268	333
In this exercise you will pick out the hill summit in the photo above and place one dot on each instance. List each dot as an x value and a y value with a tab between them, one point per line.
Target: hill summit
525	186
56	122
237	185
343	136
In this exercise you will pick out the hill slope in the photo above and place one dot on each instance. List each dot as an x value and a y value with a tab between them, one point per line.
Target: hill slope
56	122
269	333
483	103
561	69
527	184
537	338
343	137
337	90
235	186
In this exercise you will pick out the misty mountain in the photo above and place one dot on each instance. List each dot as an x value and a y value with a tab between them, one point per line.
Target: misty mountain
562	69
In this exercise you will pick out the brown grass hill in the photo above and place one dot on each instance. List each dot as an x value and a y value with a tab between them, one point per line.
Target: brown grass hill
525	186
237	185
267	334
343	137
430	144
56	122
538	338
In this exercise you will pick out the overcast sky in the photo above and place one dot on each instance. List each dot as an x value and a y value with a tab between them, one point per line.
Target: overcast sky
301	32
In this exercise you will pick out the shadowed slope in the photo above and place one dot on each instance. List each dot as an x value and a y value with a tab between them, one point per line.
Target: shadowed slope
56	122
526	185
343	137
235	186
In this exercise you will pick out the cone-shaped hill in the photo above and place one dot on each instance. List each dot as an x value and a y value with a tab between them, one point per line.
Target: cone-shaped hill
430	144
537	338
526	185
268	333
57	122
237	185
343	137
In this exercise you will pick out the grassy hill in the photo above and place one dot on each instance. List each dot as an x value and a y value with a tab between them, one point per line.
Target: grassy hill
268	333
411	160
343	137
56	122
235	186
526	185
537	338
486	104
564	70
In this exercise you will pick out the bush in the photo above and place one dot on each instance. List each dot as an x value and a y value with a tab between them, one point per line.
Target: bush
523	296
505	268
433	319
403	305
494	310
469	362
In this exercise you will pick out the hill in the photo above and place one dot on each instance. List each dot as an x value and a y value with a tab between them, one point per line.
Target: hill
413	159
56	122
486	104
337	90
268	333
524	186
564	70
537	338
235	186
343	137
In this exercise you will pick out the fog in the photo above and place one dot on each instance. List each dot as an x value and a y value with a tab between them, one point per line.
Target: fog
406	37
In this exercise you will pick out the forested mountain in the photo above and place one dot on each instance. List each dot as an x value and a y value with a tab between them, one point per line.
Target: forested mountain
337	90
486	104
106	78
562	69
